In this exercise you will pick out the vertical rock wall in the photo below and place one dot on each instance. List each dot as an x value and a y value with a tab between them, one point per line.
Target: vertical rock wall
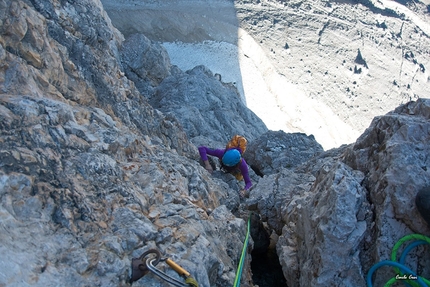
91	175
343	210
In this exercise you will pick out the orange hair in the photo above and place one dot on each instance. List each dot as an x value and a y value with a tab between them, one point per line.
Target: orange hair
238	142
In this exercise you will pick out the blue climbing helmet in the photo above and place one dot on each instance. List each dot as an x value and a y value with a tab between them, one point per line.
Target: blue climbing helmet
231	157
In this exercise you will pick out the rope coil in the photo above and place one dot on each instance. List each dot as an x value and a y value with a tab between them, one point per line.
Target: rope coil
409	277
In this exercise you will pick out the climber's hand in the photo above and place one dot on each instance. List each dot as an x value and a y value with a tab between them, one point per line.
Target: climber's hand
208	167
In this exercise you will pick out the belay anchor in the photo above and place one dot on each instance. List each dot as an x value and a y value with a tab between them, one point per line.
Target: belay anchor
142	265
138	265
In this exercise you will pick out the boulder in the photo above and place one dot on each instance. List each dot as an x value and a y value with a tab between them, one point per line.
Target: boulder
275	150
146	63
206	107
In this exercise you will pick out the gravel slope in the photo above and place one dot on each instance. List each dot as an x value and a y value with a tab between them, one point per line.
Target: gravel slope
297	63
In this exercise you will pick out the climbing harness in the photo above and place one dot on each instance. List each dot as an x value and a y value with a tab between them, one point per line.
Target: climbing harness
141	266
408	277
242	257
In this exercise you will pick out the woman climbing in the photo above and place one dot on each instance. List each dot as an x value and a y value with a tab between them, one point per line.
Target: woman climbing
231	160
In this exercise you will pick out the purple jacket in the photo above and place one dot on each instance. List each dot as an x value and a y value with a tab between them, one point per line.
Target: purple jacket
243	167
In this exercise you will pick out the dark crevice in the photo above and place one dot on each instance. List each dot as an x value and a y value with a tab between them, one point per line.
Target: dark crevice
257	171
266	269
265	266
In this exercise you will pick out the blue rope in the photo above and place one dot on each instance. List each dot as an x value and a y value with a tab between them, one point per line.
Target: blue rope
399	266
409	248
406	252
395	264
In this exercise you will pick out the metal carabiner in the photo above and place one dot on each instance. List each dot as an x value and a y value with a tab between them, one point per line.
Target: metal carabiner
139	267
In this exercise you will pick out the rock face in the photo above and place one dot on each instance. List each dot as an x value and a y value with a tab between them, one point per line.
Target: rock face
92	175
325	224
330	67
145	63
393	153
273	151
161	20
206	107
343	210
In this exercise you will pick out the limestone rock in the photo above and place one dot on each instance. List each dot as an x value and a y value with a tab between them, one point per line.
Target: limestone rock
319	227
323	230
304	51
145	63
393	153
91	175
359	200
119	198
213	111
206	107
276	150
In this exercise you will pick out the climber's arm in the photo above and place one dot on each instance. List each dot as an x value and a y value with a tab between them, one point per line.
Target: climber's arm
245	174
205	151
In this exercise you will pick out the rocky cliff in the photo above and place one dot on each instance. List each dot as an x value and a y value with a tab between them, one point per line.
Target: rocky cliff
343	210
91	174
99	164
326	68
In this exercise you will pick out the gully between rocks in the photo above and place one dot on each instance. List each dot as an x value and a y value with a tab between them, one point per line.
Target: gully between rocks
265	266
266	270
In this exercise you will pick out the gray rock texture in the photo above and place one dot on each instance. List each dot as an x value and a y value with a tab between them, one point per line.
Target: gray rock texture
206	107
145	63
190	21
393	153
273	151
343	210
339	63
91	174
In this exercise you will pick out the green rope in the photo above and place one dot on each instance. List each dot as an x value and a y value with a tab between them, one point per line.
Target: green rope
397	246
242	257
399	267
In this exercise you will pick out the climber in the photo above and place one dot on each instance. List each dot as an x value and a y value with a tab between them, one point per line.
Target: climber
231	160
